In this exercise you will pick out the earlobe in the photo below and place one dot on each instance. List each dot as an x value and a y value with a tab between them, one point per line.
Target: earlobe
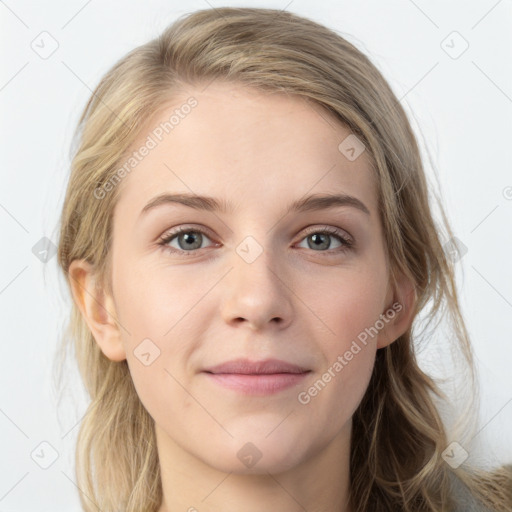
97	308
399	312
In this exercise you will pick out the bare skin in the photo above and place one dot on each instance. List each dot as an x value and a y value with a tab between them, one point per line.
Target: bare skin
304	299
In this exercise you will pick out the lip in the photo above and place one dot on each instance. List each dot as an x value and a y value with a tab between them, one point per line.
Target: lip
248	367
257	377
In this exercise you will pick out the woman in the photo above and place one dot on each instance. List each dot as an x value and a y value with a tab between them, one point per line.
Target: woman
271	364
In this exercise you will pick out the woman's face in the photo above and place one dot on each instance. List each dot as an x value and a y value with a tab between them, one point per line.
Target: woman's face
252	279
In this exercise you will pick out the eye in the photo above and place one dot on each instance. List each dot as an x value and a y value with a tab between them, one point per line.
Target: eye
318	239
189	240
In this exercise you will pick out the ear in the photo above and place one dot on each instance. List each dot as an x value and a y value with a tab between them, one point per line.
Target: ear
401	304
97	308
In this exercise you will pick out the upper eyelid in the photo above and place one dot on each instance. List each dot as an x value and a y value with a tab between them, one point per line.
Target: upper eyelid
172	232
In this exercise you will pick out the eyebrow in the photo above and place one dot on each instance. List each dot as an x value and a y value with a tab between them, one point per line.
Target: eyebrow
310	203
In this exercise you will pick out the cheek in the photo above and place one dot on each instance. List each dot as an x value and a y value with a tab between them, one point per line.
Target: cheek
152	302
349	306
157	314
346	305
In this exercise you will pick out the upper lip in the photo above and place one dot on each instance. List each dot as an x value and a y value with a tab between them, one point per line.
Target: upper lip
267	366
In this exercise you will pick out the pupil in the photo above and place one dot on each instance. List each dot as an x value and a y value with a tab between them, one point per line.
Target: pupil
320	239
189	238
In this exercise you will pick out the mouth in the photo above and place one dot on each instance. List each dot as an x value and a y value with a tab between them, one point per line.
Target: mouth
257	377
248	367
257	384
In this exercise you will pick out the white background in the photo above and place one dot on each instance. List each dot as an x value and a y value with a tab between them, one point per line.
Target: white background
463	107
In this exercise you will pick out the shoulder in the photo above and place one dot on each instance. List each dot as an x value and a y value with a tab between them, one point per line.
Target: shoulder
465	502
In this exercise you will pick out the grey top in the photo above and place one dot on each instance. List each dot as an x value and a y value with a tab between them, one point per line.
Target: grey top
464	499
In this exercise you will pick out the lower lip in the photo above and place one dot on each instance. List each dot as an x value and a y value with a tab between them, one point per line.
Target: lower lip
262	384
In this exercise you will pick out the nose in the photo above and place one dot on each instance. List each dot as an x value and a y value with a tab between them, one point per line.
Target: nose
256	294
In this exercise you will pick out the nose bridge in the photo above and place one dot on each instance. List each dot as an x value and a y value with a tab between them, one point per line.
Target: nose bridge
255	288
256	262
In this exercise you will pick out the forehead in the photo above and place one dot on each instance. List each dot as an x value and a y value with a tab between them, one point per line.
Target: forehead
250	147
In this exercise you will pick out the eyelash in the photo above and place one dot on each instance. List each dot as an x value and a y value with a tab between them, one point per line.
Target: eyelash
347	244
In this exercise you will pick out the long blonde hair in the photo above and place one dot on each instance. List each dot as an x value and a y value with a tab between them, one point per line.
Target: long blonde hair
398	438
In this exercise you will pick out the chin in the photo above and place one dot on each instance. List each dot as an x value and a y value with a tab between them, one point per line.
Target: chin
256	454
